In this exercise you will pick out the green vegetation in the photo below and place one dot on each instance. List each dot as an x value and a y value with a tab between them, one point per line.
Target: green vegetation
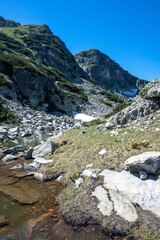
111	96
140	145
70	197
108	104
7	116
75	176
95	122
3	81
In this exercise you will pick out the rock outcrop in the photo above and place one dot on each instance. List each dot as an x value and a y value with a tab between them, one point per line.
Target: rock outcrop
152	90
108	74
8	23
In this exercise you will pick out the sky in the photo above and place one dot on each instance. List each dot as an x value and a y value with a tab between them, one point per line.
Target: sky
128	31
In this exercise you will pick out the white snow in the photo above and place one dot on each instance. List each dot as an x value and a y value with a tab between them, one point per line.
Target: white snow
83	117
131	93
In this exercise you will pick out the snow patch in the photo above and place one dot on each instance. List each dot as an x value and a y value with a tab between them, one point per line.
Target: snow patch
131	93
83	117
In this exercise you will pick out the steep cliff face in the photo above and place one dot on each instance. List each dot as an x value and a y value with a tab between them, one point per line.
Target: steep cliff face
37	68
106	73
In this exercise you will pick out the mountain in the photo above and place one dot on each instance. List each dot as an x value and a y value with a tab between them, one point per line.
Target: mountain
108	74
37	69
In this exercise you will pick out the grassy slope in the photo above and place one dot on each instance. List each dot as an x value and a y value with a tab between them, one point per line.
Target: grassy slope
80	150
17	42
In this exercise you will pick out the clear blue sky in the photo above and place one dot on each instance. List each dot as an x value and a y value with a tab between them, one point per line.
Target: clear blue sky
128	31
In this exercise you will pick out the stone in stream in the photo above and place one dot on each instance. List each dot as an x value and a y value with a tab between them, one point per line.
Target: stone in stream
29	153
39	162
22	193
15	149
44	149
3	221
18	166
9	157
147	161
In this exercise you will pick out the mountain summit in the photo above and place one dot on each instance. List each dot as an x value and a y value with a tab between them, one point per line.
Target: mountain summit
106	73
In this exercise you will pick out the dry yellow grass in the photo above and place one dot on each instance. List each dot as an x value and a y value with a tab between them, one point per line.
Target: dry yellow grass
76	151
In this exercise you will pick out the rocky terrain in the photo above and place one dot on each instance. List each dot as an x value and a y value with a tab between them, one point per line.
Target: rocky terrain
109	166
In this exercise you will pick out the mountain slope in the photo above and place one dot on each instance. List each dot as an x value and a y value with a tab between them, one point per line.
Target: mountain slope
106	73
37	69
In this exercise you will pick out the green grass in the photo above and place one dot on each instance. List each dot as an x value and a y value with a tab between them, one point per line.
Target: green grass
111	96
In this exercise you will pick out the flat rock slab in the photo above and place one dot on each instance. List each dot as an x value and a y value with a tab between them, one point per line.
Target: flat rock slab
148	161
144	193
22	193
3	221
105	206
9	157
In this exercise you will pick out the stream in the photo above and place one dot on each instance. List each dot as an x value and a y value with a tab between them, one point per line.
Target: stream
30	208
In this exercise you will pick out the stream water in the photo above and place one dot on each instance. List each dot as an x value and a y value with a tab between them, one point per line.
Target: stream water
29	205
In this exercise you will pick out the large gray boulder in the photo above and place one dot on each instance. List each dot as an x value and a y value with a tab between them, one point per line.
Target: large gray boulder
14	149
9	157
127	190
148	161
39	162
44	149
151	90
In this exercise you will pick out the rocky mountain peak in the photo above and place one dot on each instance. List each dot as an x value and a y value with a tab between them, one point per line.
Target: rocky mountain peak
8	23
106	73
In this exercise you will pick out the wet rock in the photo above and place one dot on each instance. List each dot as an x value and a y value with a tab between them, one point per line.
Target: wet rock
147	161
44	149
15	149
3	221
9	157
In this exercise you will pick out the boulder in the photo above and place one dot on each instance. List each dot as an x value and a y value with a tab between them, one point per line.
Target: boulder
14	149
144	193
39	162
44	149
9	157
147	161
29	153
151	90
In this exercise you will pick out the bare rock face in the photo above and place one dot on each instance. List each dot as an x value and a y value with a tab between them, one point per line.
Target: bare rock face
151	90
105	72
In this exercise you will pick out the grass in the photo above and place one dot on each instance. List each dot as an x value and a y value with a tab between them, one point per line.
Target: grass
81	150
111	96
